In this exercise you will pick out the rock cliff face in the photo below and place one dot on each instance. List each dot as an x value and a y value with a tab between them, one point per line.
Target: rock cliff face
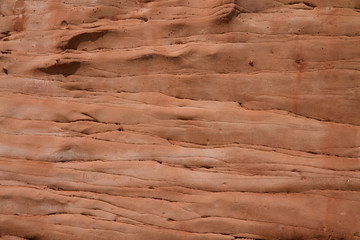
180	119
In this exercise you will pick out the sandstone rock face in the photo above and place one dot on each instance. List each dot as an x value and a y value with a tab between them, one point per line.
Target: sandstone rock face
180	119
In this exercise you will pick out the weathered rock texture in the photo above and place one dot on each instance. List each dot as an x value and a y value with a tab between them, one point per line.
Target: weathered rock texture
180	119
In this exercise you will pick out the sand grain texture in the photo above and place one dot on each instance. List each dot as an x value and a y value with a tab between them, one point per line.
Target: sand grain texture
179	119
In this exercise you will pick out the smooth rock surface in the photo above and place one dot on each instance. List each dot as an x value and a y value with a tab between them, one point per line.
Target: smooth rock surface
179	119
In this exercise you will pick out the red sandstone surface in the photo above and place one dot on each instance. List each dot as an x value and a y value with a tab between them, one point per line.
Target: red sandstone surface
179	119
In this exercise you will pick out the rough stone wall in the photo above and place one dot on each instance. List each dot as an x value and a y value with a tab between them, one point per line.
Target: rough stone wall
179	119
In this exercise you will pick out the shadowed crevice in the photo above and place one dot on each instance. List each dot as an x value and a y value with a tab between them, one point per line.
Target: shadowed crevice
75	41
65	69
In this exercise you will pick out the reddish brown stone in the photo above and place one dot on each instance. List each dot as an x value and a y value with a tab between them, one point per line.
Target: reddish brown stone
151	119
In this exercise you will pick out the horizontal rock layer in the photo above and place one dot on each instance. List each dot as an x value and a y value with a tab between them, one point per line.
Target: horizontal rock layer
177	119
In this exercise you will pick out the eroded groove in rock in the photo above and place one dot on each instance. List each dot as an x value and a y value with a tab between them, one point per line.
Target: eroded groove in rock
65	69
149	119
75	41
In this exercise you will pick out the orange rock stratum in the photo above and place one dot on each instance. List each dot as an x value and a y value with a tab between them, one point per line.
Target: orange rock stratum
179	119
